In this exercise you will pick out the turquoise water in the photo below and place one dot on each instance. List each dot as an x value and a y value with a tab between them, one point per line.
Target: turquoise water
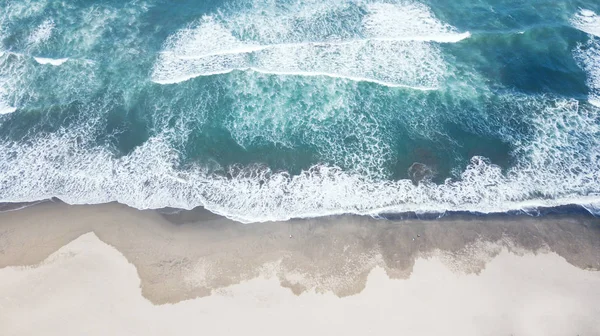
270	110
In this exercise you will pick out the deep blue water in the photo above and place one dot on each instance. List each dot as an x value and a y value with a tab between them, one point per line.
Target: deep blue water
269	110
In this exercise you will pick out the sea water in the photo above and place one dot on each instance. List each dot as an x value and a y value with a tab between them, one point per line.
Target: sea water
269	110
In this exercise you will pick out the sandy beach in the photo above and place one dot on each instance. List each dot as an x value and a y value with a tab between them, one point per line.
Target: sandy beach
299	167
112	270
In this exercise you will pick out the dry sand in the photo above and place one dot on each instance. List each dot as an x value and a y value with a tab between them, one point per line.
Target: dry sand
112	270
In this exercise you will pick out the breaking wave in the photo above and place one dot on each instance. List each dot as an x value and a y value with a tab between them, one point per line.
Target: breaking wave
383	43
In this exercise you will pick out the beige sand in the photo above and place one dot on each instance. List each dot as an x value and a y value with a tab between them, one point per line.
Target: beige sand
342	275
89	288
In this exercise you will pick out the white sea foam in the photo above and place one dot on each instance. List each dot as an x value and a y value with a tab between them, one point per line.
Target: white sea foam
51	61
394	64
147	179
6	109
387	44
588	56
587	21
409	20
42	33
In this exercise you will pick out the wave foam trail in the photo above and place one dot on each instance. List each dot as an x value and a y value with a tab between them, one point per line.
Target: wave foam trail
387	44
587	21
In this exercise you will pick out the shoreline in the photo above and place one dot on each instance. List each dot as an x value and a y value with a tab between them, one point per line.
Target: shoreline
534	211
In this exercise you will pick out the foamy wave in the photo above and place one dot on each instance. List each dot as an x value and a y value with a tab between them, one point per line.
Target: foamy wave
51	61
147	179
388	45
587	21
397	64
553	170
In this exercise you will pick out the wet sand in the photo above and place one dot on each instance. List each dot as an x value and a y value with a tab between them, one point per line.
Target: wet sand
110	269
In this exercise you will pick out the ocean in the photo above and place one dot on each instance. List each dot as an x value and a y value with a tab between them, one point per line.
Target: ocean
271	110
